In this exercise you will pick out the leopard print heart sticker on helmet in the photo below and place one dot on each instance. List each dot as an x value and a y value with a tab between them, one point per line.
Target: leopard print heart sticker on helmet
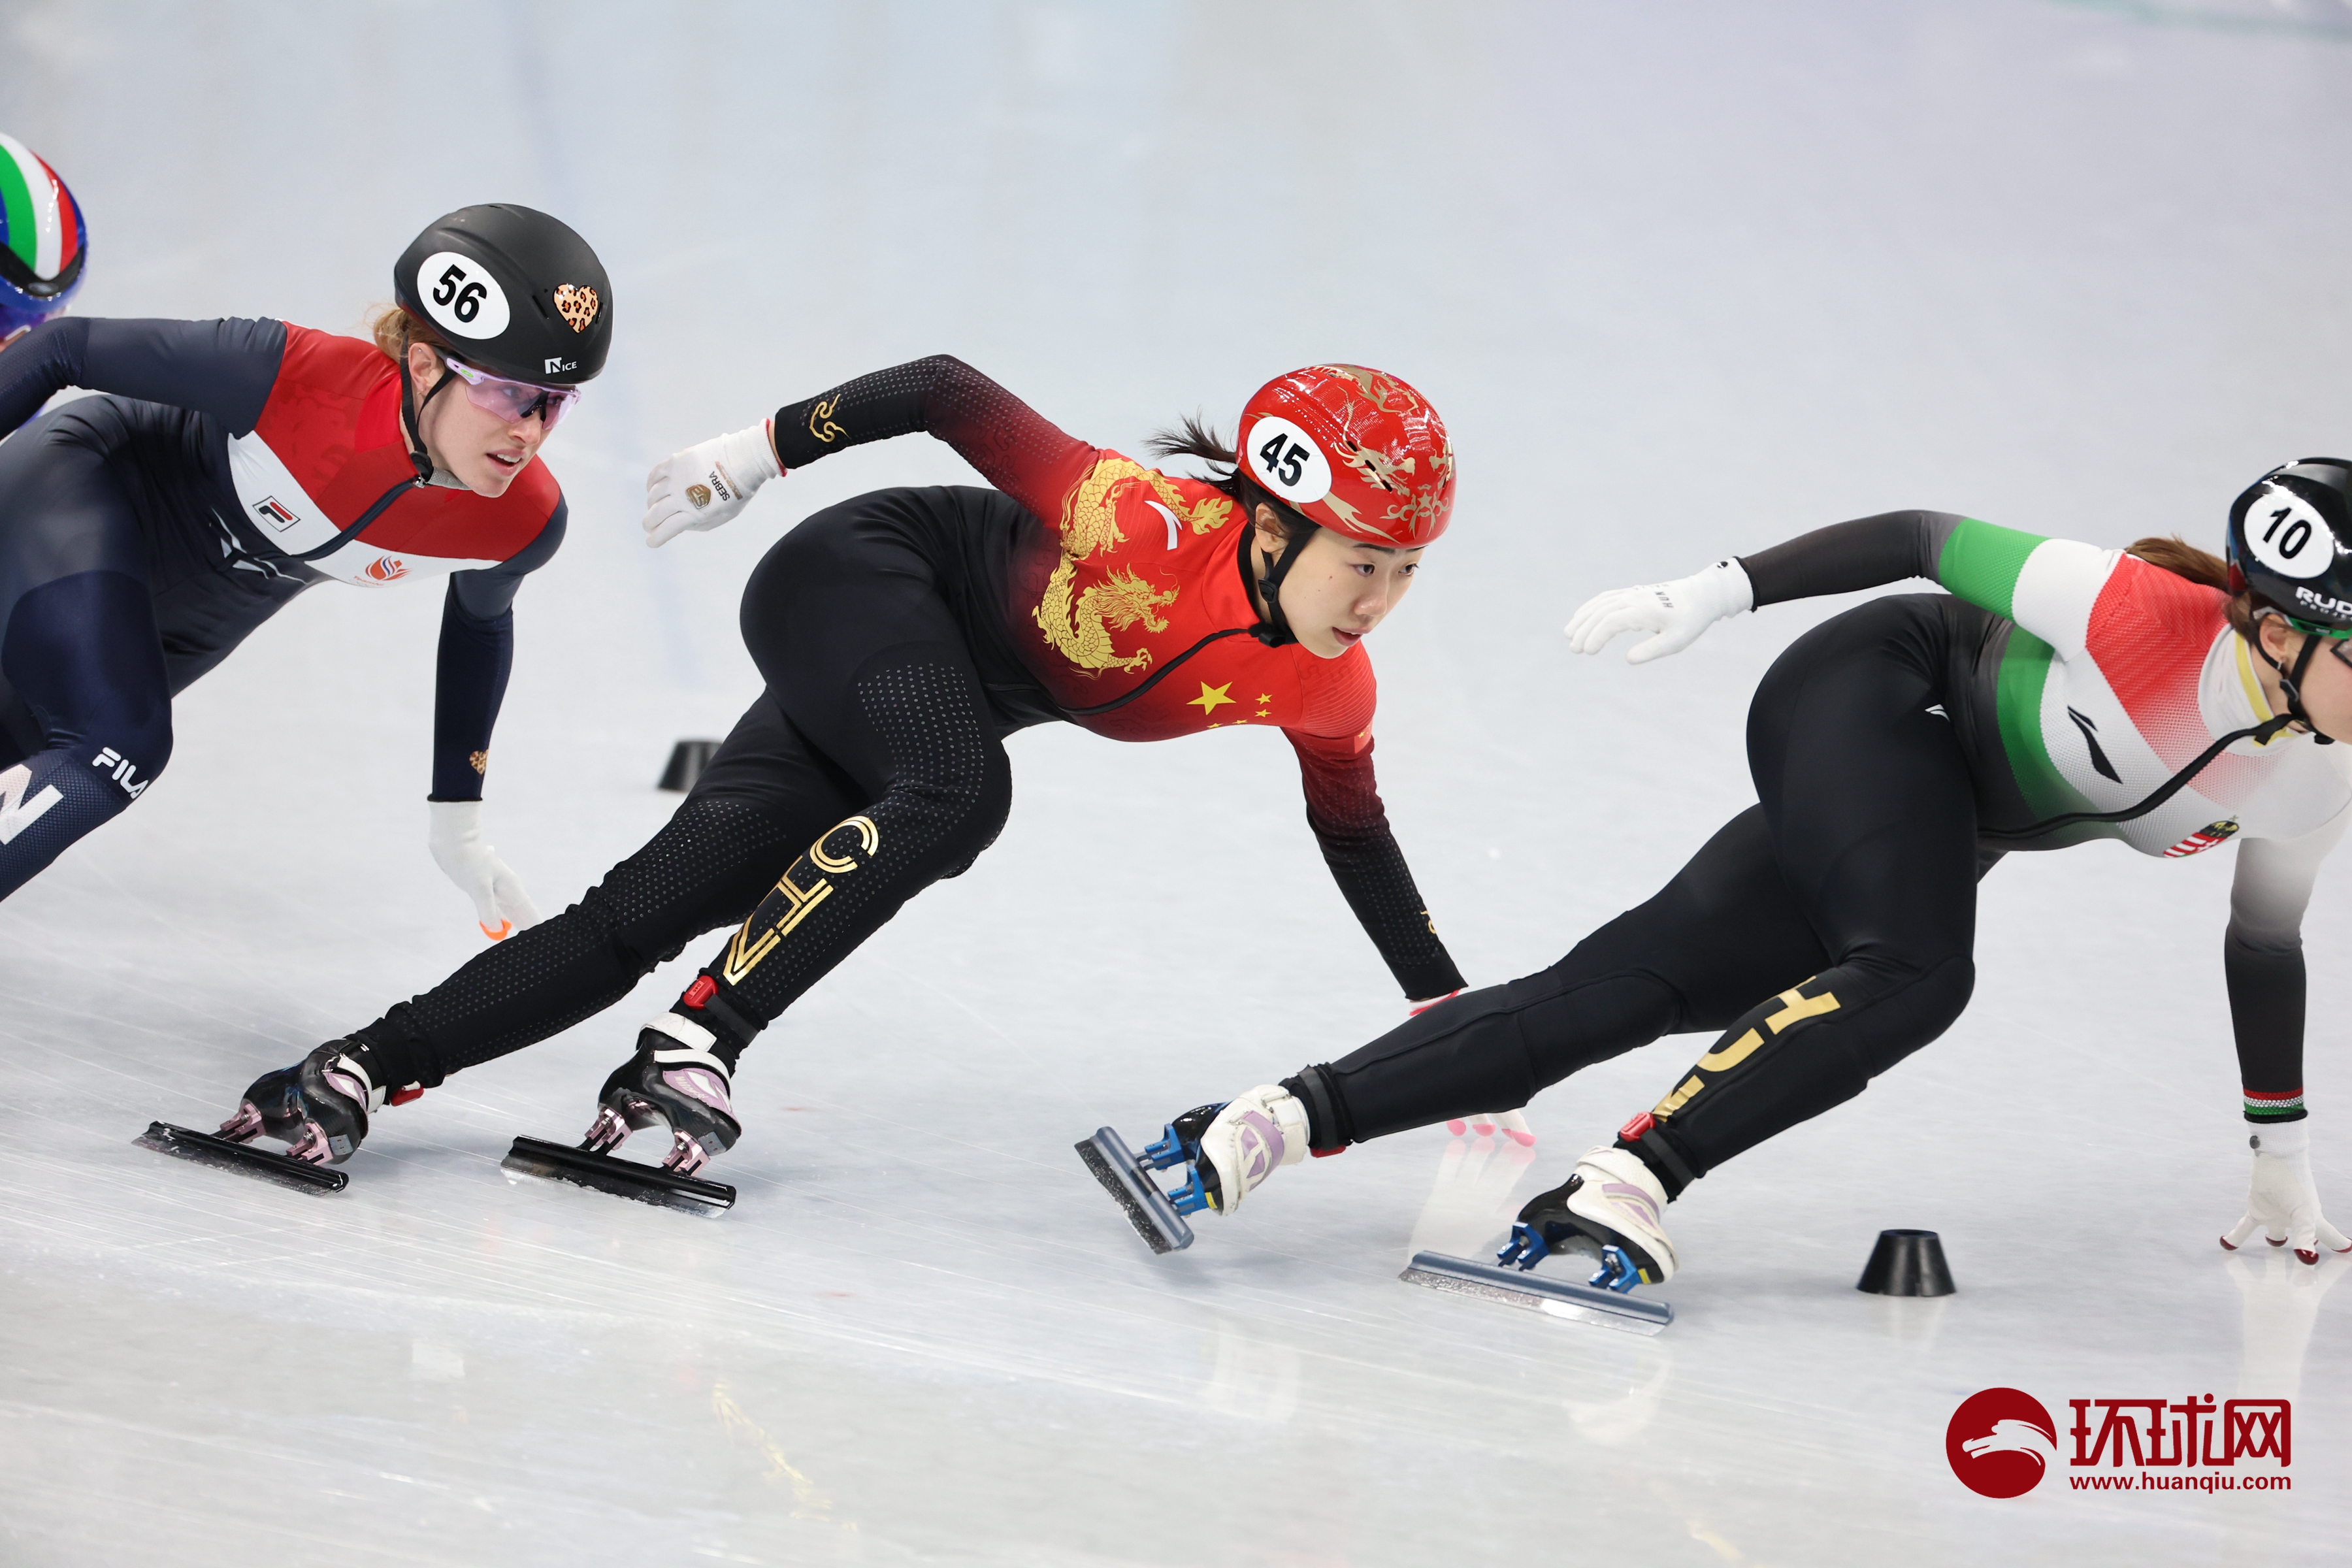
576	305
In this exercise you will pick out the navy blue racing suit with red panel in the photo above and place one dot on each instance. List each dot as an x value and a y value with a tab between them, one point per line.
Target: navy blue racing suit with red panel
228	466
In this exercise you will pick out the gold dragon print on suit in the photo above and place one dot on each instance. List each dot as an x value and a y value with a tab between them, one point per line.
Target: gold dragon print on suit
1081	632
797	894
1079	625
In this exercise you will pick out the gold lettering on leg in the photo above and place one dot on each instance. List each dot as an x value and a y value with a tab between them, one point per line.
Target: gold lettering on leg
789	902
869	838
1679	1098
1796	1009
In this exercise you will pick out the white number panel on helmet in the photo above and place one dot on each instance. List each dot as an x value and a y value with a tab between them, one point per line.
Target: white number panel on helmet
461	295
2287	536
1286	460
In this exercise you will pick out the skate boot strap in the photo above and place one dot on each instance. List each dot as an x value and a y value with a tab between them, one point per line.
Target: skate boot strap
693	1043
703	996
343	1065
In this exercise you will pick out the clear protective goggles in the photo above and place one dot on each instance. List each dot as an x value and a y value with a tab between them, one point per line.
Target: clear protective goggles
513	401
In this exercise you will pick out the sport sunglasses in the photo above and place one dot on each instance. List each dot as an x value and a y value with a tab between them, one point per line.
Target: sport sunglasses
2334	637
513	401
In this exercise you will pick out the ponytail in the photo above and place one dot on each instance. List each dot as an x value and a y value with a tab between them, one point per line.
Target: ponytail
1191	436
394	329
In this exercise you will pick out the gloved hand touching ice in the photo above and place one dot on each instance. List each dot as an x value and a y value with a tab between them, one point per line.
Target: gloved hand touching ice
466	858
2280	1200
1485	1123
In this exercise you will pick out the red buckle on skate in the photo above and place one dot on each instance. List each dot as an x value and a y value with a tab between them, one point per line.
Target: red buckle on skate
703	989
1326	1153
403	1096
1631	1131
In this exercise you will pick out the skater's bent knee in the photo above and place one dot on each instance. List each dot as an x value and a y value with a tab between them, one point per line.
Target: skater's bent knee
1913	1015
131	752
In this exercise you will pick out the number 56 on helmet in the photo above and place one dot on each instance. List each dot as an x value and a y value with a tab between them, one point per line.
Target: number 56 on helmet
516	293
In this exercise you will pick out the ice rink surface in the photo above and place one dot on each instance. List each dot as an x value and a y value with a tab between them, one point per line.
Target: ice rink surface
1686	278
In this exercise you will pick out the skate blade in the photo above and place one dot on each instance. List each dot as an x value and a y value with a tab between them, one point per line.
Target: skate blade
622	1178
1535	1294
204	1148
1147	1208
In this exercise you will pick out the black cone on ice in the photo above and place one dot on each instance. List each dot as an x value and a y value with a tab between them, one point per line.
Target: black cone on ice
687	760
1907	1263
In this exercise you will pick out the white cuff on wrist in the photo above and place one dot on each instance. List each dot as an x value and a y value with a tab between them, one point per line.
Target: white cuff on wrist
2282	1139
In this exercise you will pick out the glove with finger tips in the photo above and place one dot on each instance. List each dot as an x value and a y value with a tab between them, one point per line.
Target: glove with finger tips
1674	613
2282	1202
1487	1123
708	484
500	904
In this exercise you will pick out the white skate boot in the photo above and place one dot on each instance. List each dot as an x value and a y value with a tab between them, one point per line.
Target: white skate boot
1612	1207
1252	1136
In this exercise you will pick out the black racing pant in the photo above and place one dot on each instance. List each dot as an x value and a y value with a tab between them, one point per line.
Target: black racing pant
1826	931
85	696
872	766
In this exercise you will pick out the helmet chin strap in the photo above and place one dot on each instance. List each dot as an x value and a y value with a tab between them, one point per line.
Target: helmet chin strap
1275	630
2291	684
411	411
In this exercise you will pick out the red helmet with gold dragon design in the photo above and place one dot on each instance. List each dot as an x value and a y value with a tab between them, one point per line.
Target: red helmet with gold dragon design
1356	450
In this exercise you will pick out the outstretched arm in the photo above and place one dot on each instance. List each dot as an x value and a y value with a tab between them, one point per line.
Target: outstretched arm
1343	809
2261	955
1846	557
477	653
224	368
1015	447
1842	558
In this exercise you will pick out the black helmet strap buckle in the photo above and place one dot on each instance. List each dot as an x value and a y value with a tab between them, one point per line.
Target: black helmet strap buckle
412	411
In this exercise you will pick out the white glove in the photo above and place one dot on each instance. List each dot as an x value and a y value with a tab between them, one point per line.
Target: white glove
708	484
456	839
2281	1201
1676	611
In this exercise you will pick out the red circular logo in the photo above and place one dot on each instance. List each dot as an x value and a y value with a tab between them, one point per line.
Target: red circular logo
2000	1442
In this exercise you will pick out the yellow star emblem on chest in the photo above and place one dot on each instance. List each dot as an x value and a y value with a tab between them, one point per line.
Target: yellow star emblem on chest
1210	696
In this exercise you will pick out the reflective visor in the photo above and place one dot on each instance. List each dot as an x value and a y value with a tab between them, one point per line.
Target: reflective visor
513	401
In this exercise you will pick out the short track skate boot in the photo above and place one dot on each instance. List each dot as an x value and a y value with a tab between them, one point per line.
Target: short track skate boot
677	1081
1612	1207
1227	1149
319	1106
1250	1138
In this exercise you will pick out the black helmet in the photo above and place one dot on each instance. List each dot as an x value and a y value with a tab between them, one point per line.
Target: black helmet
2291	543
515	293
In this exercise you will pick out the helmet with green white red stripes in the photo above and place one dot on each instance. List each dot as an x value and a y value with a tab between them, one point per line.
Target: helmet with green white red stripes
2291	543
42	242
